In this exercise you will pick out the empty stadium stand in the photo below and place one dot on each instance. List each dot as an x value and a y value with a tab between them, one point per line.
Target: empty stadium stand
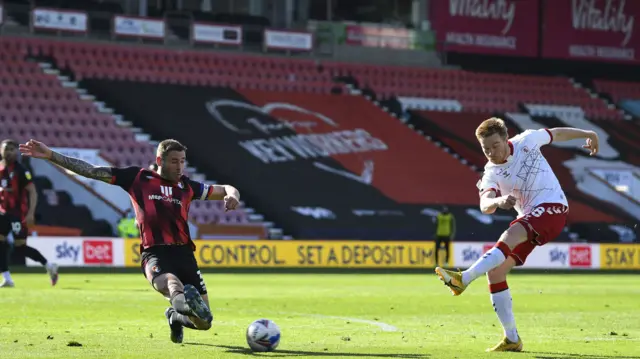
283	130
197	68
476	92
99	69
37	103
617	89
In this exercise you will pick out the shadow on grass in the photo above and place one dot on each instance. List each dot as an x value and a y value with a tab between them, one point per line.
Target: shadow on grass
293	353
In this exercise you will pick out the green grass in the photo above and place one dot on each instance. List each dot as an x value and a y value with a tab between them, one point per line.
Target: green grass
120	316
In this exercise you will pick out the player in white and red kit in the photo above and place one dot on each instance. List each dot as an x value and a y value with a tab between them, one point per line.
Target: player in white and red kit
516	176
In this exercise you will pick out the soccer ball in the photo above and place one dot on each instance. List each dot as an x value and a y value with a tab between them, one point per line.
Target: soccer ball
263	335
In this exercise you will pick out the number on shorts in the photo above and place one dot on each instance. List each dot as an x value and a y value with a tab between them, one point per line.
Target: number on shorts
537	212
16	227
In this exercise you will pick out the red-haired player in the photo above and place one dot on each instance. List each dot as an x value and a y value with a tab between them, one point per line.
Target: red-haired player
516	176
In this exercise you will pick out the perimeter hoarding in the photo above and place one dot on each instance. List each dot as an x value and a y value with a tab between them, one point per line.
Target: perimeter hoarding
550	256
620	256
79	251
303	254
118	253
599	30
493	27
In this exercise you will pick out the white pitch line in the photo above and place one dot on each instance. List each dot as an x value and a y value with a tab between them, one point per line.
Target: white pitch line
384	326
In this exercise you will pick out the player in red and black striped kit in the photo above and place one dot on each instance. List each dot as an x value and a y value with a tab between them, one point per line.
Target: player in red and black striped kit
161	201
18	200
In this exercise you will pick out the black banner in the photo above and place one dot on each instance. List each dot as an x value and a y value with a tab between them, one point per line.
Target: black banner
314	173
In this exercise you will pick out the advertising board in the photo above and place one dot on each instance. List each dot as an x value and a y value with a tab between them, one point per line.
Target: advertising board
600	30
303	254
79	251
498	27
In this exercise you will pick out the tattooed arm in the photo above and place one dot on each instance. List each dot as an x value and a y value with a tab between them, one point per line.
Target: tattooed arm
123	177
81	167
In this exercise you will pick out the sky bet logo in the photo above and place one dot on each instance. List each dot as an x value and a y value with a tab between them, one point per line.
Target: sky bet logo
68	251
557	255
469	254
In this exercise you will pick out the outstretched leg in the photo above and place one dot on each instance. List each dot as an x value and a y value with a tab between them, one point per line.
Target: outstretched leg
503	306
164	268
180	314
458	281
181	297
513	236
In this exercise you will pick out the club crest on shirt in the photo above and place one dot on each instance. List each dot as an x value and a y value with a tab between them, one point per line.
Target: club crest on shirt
503	172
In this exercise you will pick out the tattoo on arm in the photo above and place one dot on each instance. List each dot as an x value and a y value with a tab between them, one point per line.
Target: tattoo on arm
81	167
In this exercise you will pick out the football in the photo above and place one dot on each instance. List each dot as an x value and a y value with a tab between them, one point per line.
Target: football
263	335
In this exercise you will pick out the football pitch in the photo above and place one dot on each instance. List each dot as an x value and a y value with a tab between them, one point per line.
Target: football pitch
322	315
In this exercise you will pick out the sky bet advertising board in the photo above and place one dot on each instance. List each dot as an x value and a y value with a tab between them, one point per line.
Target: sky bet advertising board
116	252
79	251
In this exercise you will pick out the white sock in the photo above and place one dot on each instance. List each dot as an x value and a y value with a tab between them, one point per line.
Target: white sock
503	305
493	258
7	276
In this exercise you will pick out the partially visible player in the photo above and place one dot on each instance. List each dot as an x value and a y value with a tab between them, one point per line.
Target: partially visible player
516	176
161	201
18	201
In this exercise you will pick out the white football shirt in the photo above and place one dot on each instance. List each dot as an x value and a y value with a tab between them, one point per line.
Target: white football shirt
526	175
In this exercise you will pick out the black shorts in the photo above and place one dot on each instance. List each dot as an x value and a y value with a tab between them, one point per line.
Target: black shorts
177	260
14	225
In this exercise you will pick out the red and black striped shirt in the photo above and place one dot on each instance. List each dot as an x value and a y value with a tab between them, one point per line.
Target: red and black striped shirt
162	207
14	200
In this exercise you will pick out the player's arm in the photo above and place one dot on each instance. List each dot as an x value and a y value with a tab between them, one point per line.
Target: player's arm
219	192
38	149
81	167
122	177
30	187
229	194
488	186
561	134
33	201
489	202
